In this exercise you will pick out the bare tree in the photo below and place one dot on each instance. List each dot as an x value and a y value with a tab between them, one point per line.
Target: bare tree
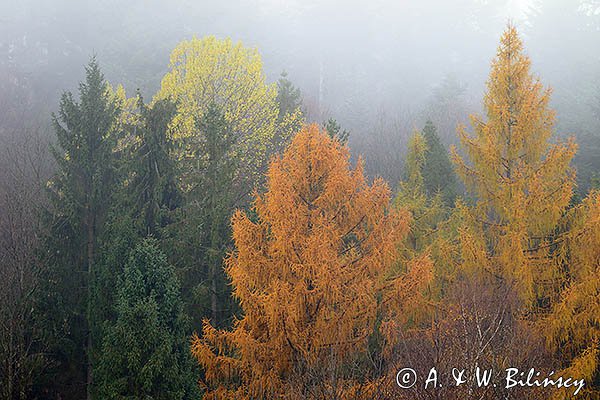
24	168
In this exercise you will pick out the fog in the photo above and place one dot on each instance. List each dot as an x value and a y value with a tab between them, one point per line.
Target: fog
381	68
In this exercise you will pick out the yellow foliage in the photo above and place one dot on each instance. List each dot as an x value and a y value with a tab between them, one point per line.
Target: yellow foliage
523	182
573	326
213	71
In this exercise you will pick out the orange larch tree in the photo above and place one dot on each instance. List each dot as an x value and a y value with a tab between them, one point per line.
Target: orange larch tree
315	273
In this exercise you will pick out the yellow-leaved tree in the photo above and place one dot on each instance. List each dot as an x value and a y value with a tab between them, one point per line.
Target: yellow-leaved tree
228	75
314	271
522	181
573	327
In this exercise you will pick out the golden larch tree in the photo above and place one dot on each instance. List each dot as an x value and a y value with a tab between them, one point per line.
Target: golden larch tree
314	271
522	181
573	326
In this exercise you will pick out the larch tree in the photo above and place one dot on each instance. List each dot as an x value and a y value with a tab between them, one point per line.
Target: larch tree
315	274
572	328
523	183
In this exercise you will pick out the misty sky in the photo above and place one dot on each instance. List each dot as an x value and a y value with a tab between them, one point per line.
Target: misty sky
374	65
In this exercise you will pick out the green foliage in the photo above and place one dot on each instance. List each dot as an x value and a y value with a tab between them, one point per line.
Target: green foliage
80	196
427	211
202	233
289	97
438	173
154	188
145	352
334	130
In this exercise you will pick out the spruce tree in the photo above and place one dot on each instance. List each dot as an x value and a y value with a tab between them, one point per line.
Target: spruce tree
154	189
145	353
438	173
289	97
80	193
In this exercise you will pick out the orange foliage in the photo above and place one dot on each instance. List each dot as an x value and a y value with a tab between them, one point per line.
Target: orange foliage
313	272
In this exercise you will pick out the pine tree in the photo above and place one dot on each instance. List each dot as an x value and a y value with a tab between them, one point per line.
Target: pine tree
80	193
313	271
522	181
145	352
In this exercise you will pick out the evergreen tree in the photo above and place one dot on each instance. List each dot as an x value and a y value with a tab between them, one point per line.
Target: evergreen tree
202	233
154	188
427	209
291	115
438	173
145	353
289	97
334	130
80	194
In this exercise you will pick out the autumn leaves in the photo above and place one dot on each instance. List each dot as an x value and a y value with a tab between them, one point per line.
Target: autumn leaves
332	278
314	274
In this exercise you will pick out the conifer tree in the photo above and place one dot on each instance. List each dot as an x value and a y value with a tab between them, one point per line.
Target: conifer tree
215	194
572	328
334	130
412	195
145	352
154	182
314	272
289	97
523	182
80	193
438	173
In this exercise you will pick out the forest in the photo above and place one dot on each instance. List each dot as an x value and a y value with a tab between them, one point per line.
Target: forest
286	200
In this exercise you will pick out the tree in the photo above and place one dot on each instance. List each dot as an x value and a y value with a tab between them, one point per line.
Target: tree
427	210
315	275
154	181
334	130
215	200
81	190
571	327
289	97
438	173
523	182
212	76
229	75
145	351
290	115
24	166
